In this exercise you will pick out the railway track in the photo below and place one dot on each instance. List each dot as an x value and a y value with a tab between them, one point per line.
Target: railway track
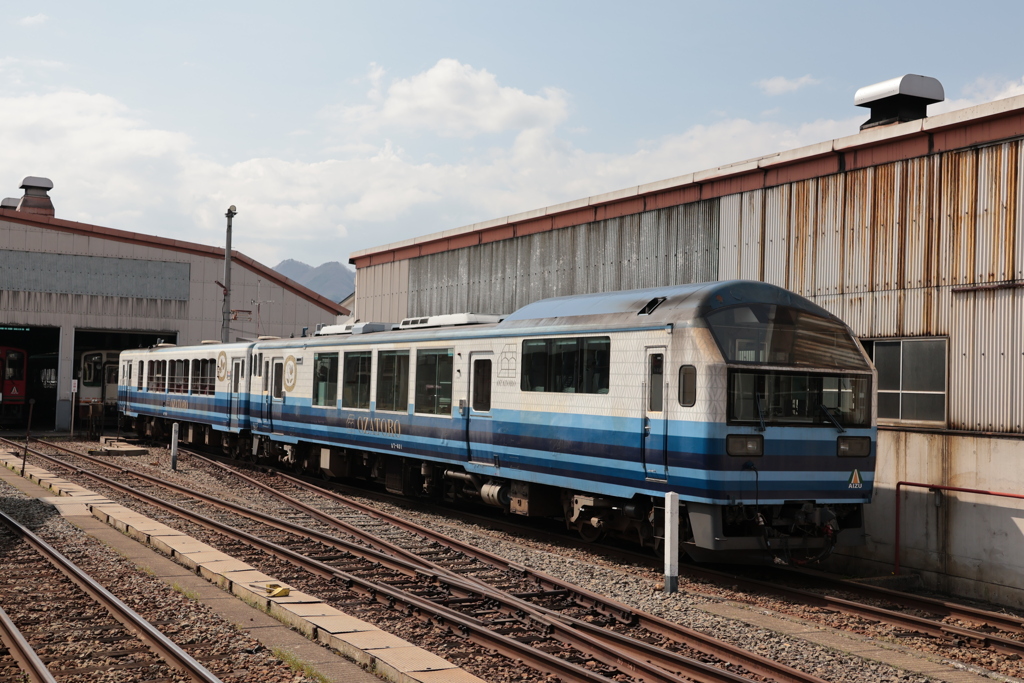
78	627
564	630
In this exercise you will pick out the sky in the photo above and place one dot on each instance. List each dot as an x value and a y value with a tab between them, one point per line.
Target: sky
337	126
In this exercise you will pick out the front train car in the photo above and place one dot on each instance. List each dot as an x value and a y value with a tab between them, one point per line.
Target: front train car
753	403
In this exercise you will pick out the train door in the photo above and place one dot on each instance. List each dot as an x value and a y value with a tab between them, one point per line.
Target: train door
274	399
479	423
110	385
655	422
237	387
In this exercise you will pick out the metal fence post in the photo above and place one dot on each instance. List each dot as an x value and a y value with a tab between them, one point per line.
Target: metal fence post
671	542
174	447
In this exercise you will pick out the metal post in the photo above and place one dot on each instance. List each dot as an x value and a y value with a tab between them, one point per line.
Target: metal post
174	447
671	542
74	405
226	316
28	434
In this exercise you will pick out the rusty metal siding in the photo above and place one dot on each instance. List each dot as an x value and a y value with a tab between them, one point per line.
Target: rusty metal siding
827	256
857	240
957	231
752	236
803	232
885	226
917	224
729	237
776	235
676	245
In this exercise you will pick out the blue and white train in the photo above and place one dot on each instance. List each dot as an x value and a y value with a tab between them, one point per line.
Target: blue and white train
752	403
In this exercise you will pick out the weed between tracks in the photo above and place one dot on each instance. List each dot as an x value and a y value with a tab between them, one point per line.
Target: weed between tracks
298	665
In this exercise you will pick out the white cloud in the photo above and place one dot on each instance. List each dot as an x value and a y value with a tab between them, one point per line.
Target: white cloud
979	91
34	20
113	168
780	85
451	99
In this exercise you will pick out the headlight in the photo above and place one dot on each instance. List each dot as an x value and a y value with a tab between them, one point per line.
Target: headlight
744	444
853	446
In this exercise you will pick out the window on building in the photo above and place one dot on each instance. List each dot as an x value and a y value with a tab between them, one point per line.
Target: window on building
325	379
482	385
687	385
434	381
911	378
573	366
393	380
355	392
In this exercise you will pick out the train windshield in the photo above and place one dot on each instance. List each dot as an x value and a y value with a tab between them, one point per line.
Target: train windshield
15	366
799	398
92	368
767	334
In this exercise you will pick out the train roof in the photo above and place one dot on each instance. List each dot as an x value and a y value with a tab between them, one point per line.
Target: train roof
677	304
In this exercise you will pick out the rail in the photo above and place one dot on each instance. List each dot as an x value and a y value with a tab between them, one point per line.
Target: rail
34	669
936	487
157	641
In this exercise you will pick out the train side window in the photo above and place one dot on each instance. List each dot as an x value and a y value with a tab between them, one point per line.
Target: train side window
434	381
140	376
482	385
656	382
566	365
393	380
15	365
92	366
278	388
687	386
355	391
325	379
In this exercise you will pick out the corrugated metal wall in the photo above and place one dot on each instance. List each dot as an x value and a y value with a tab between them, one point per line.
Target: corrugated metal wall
676	245
882	247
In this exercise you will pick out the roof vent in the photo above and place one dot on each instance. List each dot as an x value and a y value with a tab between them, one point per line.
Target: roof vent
651	305
449	320
35	199
10	203
899	99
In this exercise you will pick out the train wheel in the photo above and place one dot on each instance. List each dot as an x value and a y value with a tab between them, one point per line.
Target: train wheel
589	533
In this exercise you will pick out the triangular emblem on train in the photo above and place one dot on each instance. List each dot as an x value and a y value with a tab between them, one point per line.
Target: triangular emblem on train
855	481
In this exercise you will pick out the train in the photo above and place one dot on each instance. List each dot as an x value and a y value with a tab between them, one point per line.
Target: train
97	386
753	404
13	390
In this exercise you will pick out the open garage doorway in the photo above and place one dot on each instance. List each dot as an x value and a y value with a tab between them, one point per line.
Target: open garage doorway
96	365
26	354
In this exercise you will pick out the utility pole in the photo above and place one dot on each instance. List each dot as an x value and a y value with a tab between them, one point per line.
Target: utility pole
225	324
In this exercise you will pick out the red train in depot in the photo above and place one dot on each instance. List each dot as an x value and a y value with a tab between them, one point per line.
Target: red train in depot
13	374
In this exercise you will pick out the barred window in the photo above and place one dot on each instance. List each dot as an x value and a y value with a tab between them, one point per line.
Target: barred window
911	378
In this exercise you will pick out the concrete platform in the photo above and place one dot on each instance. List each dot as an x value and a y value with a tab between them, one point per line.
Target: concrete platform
237	591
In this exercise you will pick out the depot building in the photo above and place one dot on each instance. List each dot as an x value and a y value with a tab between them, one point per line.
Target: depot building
73	295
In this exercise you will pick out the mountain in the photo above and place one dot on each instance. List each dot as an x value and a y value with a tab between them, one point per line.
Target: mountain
332	280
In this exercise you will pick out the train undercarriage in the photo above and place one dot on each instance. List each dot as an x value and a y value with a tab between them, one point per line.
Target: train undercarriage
796	532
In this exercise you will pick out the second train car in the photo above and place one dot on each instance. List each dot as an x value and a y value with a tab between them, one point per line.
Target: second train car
752	403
